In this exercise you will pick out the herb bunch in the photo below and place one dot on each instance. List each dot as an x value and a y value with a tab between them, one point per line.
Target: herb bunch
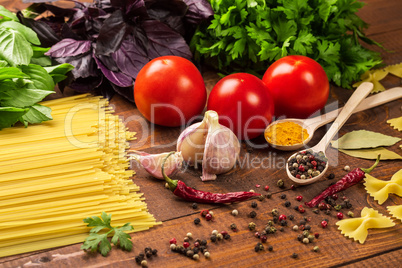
109	41
249	35
26	74
100	242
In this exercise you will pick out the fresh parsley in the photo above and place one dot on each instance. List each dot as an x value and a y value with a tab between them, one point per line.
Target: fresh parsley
248	35
26	74
99	241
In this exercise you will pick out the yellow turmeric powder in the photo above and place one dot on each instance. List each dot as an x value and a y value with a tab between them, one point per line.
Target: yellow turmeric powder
286	133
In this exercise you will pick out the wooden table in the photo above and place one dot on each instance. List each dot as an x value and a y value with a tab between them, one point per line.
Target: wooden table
383	247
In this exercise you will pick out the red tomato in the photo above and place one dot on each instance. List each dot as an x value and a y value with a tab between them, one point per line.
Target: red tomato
298	85
243	104
169	91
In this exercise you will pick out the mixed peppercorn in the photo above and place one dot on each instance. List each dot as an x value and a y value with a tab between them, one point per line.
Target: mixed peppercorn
307	164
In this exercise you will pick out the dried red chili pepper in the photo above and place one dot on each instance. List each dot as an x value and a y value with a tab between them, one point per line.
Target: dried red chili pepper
180	189
350	179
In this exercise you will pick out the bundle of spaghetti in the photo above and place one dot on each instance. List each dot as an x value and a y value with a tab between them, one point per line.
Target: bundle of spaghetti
55	174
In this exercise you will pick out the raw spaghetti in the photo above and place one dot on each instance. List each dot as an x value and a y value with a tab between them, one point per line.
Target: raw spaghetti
55	174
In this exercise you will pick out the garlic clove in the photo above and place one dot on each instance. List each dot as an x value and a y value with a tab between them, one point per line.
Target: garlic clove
152	163
222	148
191	142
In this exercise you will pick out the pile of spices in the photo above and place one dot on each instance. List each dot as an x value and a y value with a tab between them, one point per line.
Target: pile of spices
286	133
148	253
307	164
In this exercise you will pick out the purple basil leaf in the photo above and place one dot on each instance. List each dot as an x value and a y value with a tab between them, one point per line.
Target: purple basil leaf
109	62
111	34
85	85
67	32
198	11
126	92
117	78
130	58
69	47
162	40
163	8
45	33
136	8
84	65
103	4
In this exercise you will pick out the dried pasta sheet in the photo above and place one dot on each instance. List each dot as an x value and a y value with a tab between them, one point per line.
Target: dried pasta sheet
357	228
396	123
395	211
380	189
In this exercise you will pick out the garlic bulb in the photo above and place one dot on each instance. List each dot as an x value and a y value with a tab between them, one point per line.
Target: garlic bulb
209	143
152	163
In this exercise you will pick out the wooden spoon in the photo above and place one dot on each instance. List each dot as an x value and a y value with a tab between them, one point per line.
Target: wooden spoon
360	93
312	124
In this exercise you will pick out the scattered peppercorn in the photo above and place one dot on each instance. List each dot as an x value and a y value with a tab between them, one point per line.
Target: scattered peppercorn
196	257
283	196
280	184
263	238
268	195
186	244
261	197
275	212
316	249
294	255
235	212
347	168
311	238
213	238
292	187
251	226
190	253
214	232
155	252
270	248
204	212
208	217
305	240
195	205
282	217
186	239
197	221
299	198
253	214
351	214
331	176
270	223
173	247
316	211
301	209
291	217
204	242
316	235
266	188
324	224
254	204
173	241
144	263
226	236
233	227
281	229
300	237
338	207
307	227
306	233
287	204
339	215
207	254
219	237
295	228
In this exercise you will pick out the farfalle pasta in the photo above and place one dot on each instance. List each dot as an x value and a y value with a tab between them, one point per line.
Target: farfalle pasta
396	211
380	189
356	228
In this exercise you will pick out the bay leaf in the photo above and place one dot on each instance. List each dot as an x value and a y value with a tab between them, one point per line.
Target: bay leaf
396	123
372	153
359	139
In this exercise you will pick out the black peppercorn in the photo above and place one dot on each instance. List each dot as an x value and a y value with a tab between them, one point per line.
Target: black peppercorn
291	217
331	176
253	214
203	242
283	223
148	254
213	238
300	237
294	255
196	250
138	259
280	183
307	227
154	252
195	205
227	236
197	220
287	204
281	229
270	248
254	204
257	248
296	208
269	195
302	222
283	196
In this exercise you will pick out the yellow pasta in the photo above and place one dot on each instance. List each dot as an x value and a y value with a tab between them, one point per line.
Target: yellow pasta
55	174
380	189
356	228
396	211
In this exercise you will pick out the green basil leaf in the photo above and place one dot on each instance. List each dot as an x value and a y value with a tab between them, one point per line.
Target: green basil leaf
5	13
10	115
37	114
14	48
25	97
10	73
28	33
39	76
59	69
42	61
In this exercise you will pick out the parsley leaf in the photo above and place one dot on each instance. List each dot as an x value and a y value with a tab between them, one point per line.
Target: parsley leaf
250	35
99	241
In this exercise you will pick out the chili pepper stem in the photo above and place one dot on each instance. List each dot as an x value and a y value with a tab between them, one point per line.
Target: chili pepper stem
368	170
172	183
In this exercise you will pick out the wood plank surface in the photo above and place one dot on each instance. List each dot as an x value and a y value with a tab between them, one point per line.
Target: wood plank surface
258	166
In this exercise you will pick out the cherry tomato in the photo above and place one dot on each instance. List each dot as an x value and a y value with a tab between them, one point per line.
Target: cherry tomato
169	91
299	86
243	104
